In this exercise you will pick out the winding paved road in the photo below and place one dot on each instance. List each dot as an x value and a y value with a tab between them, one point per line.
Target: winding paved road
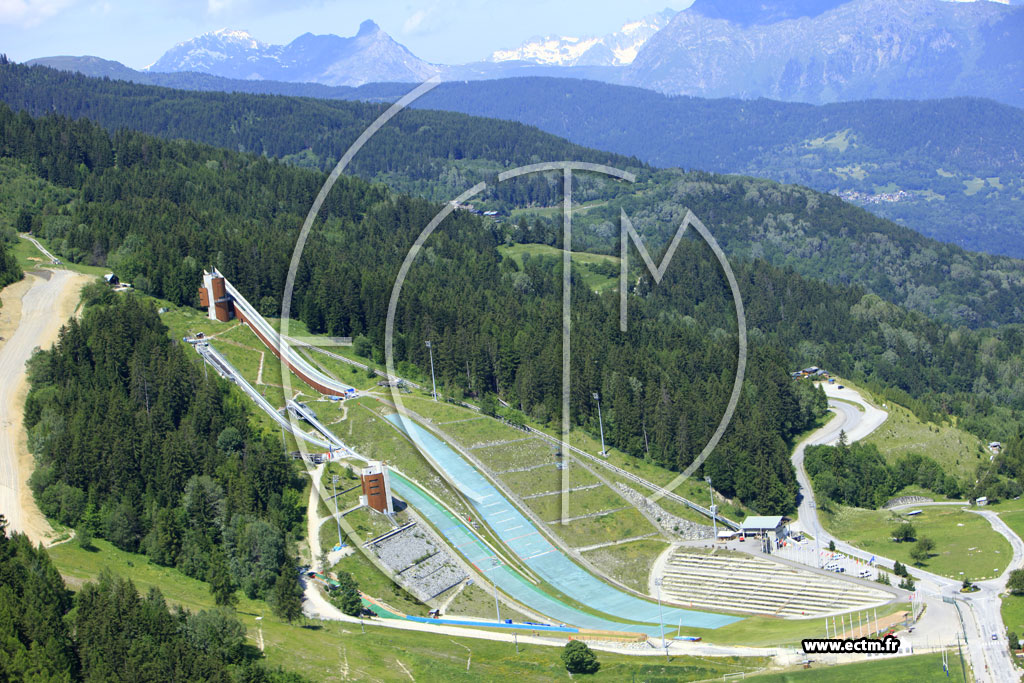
980	612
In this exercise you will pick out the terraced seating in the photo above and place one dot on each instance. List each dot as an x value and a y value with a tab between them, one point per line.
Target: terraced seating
760	586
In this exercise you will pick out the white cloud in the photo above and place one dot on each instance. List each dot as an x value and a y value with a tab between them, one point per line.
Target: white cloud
30	12
421	21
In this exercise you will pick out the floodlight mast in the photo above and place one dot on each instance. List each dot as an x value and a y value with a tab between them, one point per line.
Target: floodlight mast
433	384
597	397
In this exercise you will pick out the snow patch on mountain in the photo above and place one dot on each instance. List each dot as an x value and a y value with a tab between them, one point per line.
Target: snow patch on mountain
614	49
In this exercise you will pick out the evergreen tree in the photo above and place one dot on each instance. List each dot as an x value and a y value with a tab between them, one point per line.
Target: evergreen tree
346	595
579	658
222	584
286	596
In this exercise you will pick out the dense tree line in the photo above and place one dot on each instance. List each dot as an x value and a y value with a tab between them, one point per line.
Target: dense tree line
430	152
108	632
10	271
440	154
158	211
857	474
136	444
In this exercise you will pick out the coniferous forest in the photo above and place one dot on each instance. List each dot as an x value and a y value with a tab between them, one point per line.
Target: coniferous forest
109	632
136	444
158	211
438	155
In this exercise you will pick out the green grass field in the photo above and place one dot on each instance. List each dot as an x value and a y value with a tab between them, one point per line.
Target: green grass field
474	601
1014	519
630	563
957	451
627	523
529	452
964	542
331	651
366	431
437	412
545	479
897	670
479	430
1013	614
583	261
580	503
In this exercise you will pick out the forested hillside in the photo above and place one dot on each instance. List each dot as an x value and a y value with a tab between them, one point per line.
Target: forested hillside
108	632
163	210
957	161
135	443
438	155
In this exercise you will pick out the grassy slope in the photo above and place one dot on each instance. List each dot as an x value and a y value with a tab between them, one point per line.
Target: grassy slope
954	531
330	651
629	562
583	261
956	450
899	670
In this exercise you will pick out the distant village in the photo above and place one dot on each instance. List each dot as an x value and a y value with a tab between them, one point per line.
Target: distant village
865	198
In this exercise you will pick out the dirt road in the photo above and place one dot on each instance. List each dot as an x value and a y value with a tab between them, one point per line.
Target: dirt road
32	314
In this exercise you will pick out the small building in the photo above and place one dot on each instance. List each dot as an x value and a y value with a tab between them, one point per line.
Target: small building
111	279
726	535
376	482
981	502
995	446
775	527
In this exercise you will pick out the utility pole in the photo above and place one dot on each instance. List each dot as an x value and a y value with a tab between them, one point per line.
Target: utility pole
713	508
432	382
597	397
337	517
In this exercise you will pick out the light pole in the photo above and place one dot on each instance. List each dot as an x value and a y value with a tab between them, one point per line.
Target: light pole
600	423
337	518
713	508
495	563
432	382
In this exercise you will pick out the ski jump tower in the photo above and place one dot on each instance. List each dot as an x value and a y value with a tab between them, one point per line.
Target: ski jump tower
214	296
223	302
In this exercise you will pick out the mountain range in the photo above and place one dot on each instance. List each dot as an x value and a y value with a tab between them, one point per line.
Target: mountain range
790	50
614	49
855	50
369	56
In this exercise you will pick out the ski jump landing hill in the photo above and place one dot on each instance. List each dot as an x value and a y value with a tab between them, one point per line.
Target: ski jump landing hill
224	302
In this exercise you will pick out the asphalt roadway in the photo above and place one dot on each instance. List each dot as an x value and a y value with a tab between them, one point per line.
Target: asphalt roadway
980	611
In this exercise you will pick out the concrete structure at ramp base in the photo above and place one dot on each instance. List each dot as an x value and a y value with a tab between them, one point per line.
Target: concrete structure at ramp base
376	482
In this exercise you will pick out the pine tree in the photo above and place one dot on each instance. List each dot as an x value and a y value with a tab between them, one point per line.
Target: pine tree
286	596
222	585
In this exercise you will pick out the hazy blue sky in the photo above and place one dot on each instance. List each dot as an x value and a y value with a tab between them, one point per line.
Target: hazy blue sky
446	31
